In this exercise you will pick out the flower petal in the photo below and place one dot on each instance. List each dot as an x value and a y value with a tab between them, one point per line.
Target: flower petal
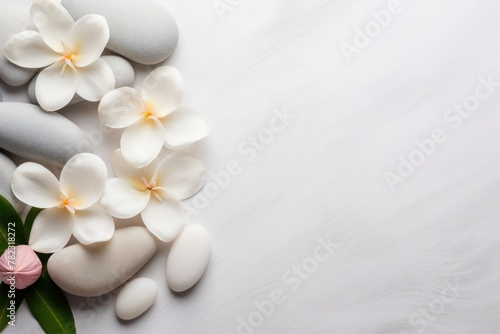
53	21
142	142
123	200
88	38
183	127
51	230
56	86
164	88
83	178
164	219
123	170
35	185
93	224
181	174
95	81
121	107
27	49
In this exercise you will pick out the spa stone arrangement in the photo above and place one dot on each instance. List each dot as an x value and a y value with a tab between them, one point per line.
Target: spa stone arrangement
55	49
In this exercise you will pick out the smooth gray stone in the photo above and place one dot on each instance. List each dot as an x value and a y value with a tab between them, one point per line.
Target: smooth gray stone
97	269
143	31
7	168
13	19
123	71
37	135
1	99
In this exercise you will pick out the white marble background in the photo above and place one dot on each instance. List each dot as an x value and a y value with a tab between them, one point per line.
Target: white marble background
420	257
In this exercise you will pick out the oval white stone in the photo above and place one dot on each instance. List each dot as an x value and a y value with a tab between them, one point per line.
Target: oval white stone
143	31
136	298
123	71
94	270
188	258
7	168
46	137
14	19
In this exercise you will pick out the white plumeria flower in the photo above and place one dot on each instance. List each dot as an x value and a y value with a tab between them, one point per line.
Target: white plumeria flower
69	203
154	191
152	117
71	49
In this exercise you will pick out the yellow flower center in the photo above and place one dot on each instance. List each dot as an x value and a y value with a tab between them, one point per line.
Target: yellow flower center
153	188
68	56
67	203
148	110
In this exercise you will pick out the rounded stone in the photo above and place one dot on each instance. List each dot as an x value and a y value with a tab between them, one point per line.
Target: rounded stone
14	19
136	298
94	270
188	258
148	38
36	135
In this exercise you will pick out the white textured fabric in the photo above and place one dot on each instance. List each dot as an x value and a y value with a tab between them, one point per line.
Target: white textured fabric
300	142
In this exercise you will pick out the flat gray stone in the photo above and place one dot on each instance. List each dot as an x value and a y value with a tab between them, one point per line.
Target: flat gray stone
1	99
97	269
7	168
142	31
37	135
123	71
14	19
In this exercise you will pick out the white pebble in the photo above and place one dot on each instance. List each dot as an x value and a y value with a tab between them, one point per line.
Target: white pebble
188	258
136	298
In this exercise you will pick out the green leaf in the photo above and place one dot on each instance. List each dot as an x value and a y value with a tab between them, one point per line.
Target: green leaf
28	223
5	302
49	306
11	226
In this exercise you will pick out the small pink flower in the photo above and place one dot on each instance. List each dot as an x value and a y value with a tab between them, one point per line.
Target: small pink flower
20	266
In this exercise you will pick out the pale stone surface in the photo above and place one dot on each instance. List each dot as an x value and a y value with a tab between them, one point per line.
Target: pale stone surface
34	134
136	298
123	71
148	38
7	168
97	269
14	19
188	258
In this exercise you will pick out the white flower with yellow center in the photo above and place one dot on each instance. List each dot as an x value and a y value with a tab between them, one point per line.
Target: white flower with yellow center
71	49
152	117
69	203
154	191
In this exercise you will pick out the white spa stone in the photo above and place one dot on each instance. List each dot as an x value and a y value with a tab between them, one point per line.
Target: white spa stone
97	269
7	168
143	31
136	298
13	19
46	137
188	258
123	71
